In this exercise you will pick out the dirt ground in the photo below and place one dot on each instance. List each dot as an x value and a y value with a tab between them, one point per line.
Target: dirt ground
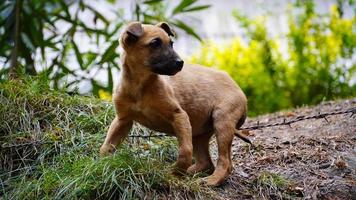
312	159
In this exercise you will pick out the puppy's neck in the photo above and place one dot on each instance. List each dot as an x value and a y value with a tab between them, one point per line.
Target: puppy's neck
134	81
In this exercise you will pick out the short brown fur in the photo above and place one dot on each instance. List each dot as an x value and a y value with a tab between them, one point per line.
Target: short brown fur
192	105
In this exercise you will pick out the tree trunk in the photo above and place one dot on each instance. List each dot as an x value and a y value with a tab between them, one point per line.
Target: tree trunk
14	61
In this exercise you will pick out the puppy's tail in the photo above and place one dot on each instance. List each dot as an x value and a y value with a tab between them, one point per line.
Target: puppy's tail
238	133
242	137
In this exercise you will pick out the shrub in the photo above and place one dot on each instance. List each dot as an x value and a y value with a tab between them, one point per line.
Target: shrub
318	65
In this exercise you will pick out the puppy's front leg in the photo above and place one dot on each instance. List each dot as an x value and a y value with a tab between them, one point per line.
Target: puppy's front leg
183	132
118	130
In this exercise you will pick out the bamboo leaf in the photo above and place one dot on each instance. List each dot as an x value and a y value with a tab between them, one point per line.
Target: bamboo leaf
27	41
96	87
186	28
151	1
197	8
110	79
109	54
98	15
6	9
65	8
115	65
64	68
78	55
182	5
89	58
115	30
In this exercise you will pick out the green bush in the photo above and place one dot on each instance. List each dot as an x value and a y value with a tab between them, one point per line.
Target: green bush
317	66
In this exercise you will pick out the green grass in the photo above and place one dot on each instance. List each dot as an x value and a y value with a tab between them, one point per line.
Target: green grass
272	186
49	143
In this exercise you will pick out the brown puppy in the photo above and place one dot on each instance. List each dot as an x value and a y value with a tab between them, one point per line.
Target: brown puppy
192	105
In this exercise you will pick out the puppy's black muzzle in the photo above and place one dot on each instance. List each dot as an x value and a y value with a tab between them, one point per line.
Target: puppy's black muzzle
170	67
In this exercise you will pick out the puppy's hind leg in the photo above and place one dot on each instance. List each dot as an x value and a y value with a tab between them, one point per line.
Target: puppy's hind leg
118	131
201	154
224	126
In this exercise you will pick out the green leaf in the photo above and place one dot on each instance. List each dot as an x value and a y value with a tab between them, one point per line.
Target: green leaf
110	79
27	41
90	31
65	7
147	19
6	9
89	57
182	5
39	37
78	55
96	87
115	65
3	71
111	1
64	68
109	53
151	1
51	43
65	18
115	30
196	8
98	15
186	28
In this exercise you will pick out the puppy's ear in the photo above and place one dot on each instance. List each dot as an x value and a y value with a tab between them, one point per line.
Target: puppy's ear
166	28
132	33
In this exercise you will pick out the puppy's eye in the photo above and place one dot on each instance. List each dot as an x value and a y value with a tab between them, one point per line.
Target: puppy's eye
171	43
155	43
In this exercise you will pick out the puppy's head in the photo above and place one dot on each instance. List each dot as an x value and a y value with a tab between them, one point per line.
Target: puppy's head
151	47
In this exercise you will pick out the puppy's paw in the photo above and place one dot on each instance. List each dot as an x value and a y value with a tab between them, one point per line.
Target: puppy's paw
192	169
179	169
107	149
177	172
211	181
196	168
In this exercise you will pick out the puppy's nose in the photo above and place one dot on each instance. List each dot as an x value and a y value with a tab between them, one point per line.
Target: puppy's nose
179	63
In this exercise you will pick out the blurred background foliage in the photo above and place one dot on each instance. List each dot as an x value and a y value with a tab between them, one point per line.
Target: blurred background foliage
317	64
41	37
